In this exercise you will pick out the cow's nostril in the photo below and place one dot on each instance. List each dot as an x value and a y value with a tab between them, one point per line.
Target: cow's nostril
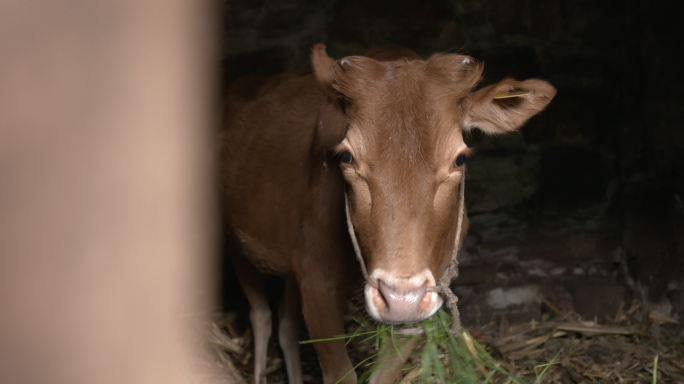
402	299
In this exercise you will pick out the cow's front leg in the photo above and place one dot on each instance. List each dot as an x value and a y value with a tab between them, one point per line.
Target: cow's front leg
254	285
290	326
323	307
391	362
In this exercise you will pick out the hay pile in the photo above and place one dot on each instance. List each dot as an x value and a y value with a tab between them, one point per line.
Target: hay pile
636	346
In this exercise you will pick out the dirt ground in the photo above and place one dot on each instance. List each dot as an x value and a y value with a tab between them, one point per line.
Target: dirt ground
623	350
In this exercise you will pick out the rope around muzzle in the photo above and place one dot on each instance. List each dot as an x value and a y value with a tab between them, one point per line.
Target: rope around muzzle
451	271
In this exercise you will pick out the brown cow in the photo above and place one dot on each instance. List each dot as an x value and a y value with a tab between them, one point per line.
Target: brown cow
386	130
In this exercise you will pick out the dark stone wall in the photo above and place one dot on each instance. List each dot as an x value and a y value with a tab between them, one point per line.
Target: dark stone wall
594	183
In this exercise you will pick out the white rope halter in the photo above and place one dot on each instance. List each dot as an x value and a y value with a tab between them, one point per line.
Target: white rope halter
451	271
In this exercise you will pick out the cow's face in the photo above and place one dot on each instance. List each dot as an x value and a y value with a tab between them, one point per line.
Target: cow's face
404	158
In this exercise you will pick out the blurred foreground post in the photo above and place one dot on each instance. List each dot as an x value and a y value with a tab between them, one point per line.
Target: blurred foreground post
106	231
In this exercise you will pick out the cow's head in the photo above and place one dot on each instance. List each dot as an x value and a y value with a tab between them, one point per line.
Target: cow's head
403	159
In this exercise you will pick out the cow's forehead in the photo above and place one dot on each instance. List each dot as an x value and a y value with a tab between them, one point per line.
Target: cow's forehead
413	122
411	94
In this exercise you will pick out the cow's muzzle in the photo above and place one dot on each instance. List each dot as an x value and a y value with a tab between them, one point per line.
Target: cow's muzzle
401	300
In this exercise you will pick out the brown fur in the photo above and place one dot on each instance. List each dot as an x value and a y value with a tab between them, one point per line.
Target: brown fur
402	119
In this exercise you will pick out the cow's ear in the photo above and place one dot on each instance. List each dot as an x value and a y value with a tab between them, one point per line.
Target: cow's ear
506	106
322	66
350	77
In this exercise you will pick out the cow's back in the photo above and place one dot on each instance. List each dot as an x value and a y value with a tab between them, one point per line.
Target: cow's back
266	160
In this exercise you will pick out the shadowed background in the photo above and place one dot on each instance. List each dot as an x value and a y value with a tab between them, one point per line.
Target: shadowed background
585	204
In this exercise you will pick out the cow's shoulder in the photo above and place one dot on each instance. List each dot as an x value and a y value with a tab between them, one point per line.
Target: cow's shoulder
251	88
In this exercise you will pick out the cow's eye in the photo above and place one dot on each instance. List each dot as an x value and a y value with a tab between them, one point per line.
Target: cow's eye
460	160
346	157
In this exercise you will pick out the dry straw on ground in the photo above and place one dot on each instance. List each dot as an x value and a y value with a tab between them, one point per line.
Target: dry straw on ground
637	346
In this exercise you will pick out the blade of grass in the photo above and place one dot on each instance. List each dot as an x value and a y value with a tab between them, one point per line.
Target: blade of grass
426	365
373	336
490	363
425	358
356	366
473	352
489	377
356	333
339	337
546	367
378	336
459	360
481	351
655	369
394	340
398	349
572	342
437	363
464	356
